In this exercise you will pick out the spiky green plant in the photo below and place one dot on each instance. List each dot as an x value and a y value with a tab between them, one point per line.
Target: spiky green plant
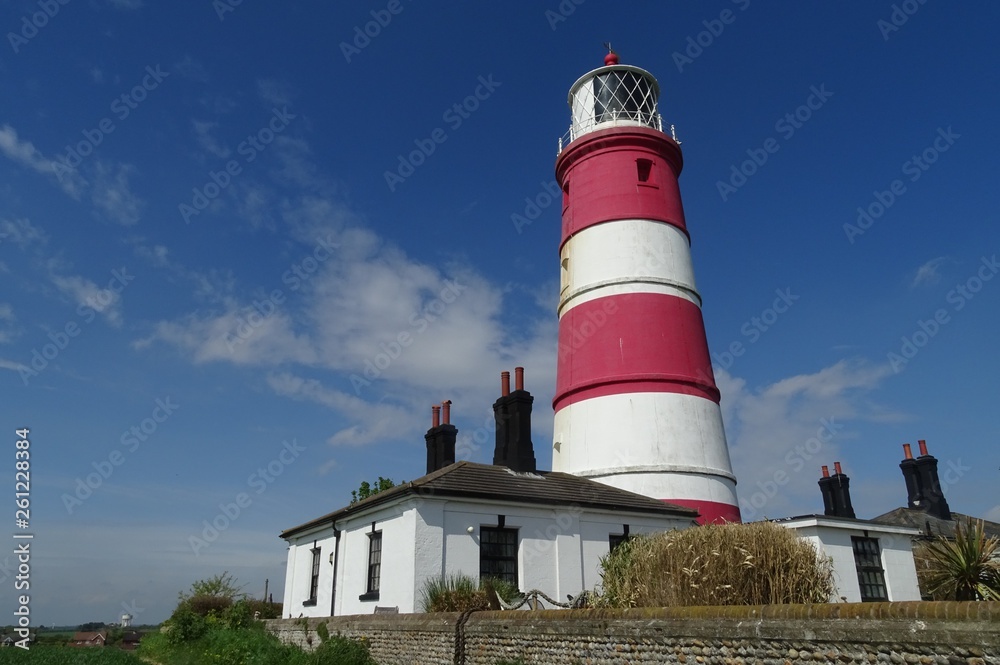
457	593
966	568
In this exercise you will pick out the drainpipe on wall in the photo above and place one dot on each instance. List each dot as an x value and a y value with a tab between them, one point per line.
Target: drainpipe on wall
336	558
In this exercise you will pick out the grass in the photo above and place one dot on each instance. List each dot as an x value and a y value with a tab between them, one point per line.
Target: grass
250	646
729	564
62	655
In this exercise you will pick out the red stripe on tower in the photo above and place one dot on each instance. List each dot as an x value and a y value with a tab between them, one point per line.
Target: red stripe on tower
636	404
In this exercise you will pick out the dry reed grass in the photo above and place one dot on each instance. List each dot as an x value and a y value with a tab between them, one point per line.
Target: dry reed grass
730	564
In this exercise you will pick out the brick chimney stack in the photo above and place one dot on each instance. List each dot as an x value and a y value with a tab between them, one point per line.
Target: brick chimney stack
441	438
512	413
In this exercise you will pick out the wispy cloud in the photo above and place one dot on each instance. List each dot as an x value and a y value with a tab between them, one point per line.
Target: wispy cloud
780	434
85	292
929	273
21	232
203	132
113	195
26	154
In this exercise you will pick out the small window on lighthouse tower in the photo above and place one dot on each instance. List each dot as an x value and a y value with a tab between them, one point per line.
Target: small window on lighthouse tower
644	168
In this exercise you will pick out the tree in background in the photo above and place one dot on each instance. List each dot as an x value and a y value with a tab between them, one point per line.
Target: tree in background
966	568
366	490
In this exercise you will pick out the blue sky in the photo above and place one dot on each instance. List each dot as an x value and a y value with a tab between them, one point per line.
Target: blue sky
202	245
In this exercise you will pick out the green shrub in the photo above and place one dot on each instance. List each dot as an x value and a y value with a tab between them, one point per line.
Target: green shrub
728	564
185	625
337	650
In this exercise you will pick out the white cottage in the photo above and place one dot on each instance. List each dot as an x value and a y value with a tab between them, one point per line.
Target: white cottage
537	529
871	561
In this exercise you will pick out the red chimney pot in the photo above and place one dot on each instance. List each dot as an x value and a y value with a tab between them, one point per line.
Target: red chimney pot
446	412
504	383
923	447
907	451
837	469
826	471
518	378
435	415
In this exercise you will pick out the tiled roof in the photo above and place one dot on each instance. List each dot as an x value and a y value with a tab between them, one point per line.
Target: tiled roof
500	484
930	525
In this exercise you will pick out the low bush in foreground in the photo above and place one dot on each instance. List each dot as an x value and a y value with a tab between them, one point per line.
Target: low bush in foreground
728	564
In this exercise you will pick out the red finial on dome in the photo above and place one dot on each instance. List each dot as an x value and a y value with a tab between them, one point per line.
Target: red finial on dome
611	58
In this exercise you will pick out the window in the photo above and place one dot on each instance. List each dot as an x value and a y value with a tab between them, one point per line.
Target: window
374	561
498	553
314	578
616	539
643	167
868	561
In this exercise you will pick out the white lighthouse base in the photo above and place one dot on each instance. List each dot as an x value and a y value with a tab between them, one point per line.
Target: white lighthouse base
670	447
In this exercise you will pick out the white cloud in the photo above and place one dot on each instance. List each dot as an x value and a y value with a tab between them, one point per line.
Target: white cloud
203	132
21	232
779	435
993	514
11	365
113	196
26	154
7	319
929	273
274	92
85	292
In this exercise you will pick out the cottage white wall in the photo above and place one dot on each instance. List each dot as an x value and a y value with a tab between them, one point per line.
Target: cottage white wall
298	575
397	524
559	551
835	541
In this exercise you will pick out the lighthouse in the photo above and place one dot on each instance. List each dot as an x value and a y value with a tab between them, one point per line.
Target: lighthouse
636	405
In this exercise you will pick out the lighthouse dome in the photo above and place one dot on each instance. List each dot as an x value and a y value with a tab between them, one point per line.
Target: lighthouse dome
615	95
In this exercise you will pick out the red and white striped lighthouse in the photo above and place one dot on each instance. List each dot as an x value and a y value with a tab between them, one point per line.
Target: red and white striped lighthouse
636	405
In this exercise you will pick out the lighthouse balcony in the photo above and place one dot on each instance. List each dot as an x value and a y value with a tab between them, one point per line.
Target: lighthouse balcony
620	118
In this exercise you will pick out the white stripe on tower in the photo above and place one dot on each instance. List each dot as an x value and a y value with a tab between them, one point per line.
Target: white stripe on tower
636	403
